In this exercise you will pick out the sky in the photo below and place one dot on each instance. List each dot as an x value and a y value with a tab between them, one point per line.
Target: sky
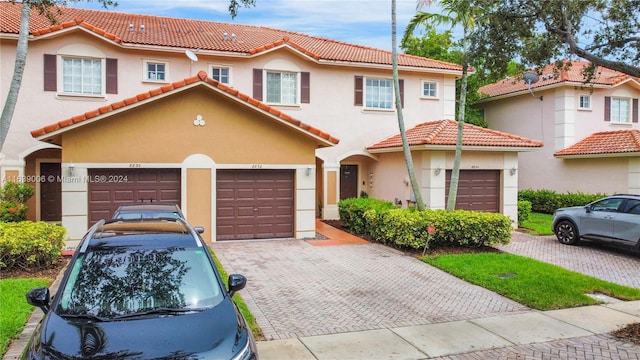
358	22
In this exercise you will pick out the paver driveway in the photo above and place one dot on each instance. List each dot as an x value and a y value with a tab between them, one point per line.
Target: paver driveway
297	289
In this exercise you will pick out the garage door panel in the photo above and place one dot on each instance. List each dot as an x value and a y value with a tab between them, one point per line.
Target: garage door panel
477	190
268	191
161	185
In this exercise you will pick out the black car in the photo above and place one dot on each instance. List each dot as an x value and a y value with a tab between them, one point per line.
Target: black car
141	290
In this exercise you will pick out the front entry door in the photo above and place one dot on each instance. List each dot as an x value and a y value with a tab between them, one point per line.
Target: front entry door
348	181
50	192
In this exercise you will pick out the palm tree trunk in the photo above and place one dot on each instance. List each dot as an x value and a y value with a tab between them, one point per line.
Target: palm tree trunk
18	70
396	87
455	173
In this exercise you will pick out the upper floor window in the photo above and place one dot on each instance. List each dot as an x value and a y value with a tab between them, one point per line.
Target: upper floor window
621	110
221	74
378	93
282	88
584	103
83	76
156	70
429	89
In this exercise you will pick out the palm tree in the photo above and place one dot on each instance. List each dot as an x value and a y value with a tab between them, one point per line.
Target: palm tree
396	88
458	12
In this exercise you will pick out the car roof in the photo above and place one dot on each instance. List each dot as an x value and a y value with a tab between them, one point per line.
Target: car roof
159	233
148	206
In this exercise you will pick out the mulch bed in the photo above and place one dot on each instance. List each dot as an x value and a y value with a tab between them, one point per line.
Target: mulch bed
50	273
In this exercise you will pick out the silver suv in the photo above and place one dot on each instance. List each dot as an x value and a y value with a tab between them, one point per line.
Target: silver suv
614	220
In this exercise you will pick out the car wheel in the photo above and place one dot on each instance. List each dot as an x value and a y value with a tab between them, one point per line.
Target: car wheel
567	233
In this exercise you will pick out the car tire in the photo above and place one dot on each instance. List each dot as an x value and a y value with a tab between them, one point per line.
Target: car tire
567	233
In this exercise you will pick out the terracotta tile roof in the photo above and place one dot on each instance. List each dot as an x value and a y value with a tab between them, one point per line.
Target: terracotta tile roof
445	133
605	142
204	35
176	86
606	77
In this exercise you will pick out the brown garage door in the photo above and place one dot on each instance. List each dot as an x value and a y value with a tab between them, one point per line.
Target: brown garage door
254	204
477	190
109	188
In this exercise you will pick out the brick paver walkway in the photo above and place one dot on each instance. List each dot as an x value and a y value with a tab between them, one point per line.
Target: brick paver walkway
297	289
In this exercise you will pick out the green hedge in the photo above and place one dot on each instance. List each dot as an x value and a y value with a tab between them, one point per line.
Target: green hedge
30	245
409	228
352	211
524	210
547	201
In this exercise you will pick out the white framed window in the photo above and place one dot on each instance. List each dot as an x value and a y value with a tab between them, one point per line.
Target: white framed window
378	94
155	70
429	89
83	76
620	110
282	88
221	74
584	102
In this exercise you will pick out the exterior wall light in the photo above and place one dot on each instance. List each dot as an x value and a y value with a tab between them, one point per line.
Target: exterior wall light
437	171
512	171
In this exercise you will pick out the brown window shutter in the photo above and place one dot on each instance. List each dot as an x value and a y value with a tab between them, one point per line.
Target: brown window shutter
257	84
634	111
50	73
112	76
401	86
607	108
305	87
358	91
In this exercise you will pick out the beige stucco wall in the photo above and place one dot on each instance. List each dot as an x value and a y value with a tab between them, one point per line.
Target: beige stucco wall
162	134
557	122
390	174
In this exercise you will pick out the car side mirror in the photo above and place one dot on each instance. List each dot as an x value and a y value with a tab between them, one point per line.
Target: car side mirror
40	297
199	229
237	282
588	208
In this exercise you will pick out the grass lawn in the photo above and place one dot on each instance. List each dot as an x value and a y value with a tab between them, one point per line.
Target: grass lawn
14	309
530	282
539	224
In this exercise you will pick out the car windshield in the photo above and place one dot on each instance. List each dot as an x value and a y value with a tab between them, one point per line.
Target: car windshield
119	281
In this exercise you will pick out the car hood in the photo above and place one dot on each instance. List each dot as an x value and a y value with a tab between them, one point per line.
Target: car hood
571	208
215	333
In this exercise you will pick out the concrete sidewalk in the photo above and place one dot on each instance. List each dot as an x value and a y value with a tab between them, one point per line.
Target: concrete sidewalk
576	333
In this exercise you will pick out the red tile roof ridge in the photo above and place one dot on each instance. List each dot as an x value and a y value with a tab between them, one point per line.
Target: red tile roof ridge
201	76
174	32
444	132
573	74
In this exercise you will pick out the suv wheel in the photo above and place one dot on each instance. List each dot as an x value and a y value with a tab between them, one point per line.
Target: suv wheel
567	233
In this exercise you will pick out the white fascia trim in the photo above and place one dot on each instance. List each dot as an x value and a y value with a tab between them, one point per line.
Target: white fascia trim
263	166
128	165
542	88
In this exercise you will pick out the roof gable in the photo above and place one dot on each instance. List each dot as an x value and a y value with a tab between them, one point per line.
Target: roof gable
201	79
619	142
444	133
130	30
550	77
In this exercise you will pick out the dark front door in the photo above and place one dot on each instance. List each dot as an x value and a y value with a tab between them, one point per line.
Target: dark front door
348	181
50	192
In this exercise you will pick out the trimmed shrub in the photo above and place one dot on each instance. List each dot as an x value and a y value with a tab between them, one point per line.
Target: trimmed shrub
352	211
30	245
524	210
12	198
547	201
410	229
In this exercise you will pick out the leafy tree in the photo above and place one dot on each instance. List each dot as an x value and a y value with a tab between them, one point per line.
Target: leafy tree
50	9
403	135
537	32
